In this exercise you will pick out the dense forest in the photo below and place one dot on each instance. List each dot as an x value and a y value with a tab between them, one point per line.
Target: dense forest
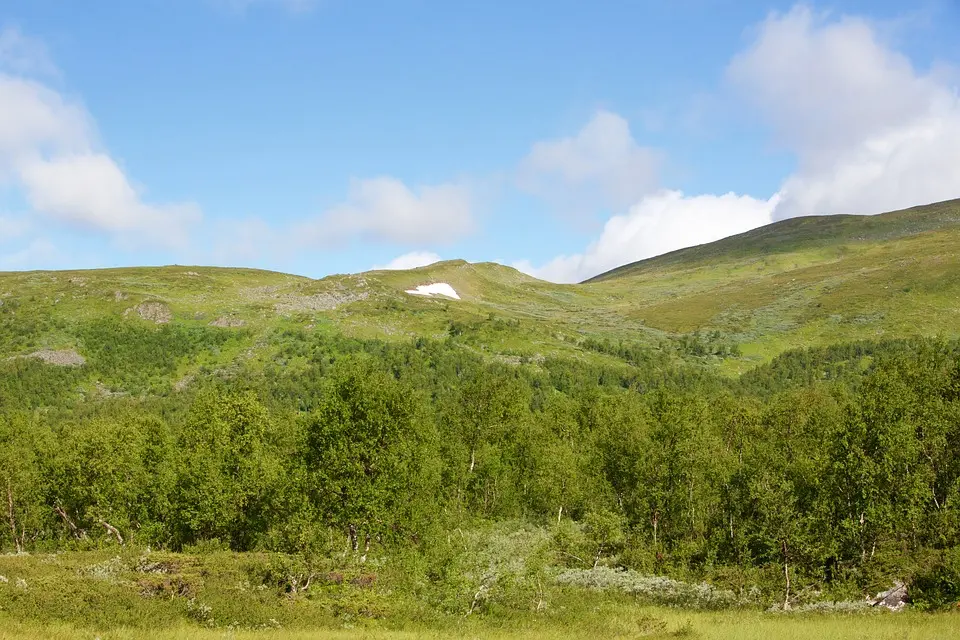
827	470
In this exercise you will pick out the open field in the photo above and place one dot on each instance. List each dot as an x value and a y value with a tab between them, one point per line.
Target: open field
622	622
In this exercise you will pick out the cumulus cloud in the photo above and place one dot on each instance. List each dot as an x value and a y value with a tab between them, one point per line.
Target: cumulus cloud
410	260
602	165
35	119
871	133
49	150
380	210
89	190
657	224
384	209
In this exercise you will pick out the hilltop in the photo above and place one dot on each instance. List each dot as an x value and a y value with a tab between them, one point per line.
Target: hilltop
803	233
800	282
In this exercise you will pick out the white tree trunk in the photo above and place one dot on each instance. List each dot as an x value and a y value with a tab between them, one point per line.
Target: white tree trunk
13	520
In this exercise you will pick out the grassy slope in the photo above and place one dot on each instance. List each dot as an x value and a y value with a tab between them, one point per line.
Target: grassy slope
46	309
805	281
799	282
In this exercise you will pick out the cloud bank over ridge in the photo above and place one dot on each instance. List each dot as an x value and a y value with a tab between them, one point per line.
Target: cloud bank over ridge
870	134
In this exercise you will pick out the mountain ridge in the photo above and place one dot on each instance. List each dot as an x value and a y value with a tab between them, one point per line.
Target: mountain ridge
797	283
933	214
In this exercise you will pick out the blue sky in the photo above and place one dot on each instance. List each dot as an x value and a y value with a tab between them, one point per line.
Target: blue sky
564	138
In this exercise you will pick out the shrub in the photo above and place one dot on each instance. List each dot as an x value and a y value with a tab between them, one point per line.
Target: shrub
937	586
652	589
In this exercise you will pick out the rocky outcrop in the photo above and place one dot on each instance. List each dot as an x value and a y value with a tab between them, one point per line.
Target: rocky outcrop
60	357
895	598
326	301
154	312
227	322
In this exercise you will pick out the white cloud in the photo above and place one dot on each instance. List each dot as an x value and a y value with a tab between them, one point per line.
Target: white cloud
89	190
870	132
385	209
410	260
376	210
35	119
657	224
602	166
49	150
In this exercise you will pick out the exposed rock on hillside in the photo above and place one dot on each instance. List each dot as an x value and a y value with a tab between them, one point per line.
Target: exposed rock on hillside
183	382
326	301
227	322
154	311
106	392
61	357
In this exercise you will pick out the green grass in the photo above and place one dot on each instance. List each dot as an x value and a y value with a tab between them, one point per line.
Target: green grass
133	593
800	282
829	234
619	621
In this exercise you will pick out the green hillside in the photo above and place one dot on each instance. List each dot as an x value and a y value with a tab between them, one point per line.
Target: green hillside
801	282
796	234
501	312
805	281
764	424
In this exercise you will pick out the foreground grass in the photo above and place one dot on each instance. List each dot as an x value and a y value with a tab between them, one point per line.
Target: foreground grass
140	595
613	621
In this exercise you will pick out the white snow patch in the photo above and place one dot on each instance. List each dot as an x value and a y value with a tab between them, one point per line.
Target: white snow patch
437	288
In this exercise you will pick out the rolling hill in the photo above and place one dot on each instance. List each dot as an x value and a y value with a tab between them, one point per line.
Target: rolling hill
799	282
806	281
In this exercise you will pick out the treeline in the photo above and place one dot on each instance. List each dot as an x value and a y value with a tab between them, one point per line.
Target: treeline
805	480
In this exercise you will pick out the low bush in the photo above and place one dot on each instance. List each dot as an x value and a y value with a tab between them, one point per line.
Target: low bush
937	585
650	589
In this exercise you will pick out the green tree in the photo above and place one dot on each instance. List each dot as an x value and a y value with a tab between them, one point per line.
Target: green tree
99	477
370	452
228	469
22	481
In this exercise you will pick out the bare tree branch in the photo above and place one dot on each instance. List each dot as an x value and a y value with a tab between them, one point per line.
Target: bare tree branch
113	530
78	533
